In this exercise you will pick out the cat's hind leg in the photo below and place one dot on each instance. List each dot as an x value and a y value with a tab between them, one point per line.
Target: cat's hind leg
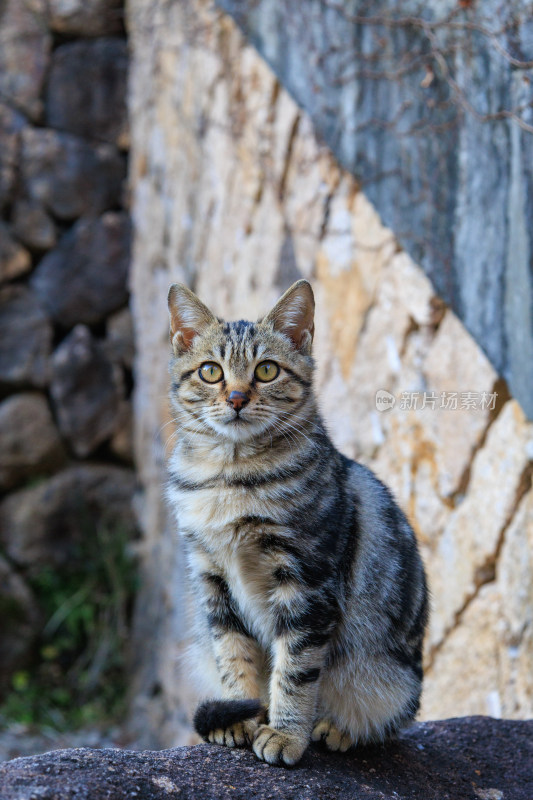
334	739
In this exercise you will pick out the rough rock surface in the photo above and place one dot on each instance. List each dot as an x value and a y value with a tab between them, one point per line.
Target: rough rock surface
33	225
85	391
459	759
25	45
426	103
119	343
14	259
43	525
31	444
68	175
86	92
84	278
25	338
11	123
122	440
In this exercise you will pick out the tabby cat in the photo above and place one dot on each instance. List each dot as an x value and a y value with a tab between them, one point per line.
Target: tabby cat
309	593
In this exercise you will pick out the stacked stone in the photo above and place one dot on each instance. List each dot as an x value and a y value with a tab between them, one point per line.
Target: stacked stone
65	329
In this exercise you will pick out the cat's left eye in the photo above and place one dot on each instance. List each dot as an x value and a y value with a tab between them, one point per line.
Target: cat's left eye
210	372
266	371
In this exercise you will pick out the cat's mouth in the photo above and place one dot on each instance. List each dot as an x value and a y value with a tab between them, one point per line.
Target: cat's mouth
237	420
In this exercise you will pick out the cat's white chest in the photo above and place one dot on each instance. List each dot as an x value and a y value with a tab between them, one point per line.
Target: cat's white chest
215	518
212	514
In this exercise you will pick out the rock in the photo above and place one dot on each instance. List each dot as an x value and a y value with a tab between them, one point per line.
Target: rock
455	364
85	391
468	547
11	123
14	259
33	225
85	17
45	524
463	759
85	277
514	575
413	289
468	691
30	442
25	338
25	45
454	187
87	88
20	618
122	439
23	739
494	630
69	176
119	343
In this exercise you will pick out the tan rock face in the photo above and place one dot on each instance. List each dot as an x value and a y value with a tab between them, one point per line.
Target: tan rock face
469	546
484	665
233	195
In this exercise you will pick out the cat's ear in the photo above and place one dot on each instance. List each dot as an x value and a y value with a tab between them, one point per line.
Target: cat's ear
293	315
188	317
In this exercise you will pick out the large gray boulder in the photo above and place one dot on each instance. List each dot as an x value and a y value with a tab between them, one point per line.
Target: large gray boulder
31	445
85	277
25	45
473	758
45	525
33	225
68	175
87	89
85	391
25	338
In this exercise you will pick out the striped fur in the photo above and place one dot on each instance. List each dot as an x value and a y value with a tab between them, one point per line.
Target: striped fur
310	594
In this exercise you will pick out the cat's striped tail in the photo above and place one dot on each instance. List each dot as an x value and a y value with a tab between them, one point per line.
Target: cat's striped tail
213	715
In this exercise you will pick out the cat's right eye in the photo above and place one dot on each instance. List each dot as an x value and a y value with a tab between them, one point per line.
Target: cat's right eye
210	372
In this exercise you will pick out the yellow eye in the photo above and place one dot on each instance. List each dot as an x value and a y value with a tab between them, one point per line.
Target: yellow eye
266	371
210	372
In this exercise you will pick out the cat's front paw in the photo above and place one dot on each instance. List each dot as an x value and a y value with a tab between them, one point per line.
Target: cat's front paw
278	747
240	734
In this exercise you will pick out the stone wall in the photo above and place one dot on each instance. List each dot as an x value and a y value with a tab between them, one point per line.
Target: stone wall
233	194
66	346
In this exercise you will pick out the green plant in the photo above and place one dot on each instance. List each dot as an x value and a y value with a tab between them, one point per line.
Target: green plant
79	671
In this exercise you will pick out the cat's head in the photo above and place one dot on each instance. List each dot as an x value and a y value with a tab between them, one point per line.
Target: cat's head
240	380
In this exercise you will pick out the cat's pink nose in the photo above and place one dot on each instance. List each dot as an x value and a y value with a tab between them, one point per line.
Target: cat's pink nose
238	400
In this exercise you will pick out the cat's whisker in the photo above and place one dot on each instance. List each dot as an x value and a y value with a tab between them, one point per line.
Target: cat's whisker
199	428
298	430
172	421
289	437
